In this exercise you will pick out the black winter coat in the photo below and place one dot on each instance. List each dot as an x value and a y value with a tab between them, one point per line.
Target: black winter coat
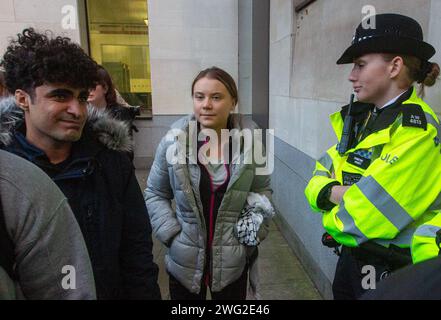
107	201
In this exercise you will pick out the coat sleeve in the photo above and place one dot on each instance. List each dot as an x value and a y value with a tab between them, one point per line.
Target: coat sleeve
51	258
320	181
262	184
139	272
426	240
158	196
394	192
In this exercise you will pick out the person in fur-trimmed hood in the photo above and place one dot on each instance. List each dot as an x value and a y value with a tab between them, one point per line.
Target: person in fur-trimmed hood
48	124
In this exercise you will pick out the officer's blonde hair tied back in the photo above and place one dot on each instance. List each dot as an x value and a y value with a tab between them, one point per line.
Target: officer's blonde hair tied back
424	73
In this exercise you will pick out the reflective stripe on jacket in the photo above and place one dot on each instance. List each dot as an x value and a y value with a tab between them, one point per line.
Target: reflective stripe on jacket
424	242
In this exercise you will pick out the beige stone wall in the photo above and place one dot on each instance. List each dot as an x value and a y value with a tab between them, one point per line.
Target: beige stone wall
15	15
433	95
305	83
245	56
186	37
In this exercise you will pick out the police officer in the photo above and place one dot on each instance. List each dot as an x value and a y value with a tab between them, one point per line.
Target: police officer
375	187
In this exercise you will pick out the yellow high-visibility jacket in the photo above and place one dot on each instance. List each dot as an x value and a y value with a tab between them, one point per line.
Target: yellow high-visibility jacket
393	174
424	244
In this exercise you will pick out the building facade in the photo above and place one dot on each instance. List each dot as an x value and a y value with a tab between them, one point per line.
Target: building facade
281	54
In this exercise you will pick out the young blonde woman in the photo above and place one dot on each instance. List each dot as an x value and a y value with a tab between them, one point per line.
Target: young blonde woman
204	250
377	184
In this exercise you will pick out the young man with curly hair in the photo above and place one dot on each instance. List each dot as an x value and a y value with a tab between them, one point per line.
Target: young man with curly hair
83	154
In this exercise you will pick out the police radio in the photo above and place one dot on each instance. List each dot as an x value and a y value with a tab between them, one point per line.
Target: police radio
348	126
330	242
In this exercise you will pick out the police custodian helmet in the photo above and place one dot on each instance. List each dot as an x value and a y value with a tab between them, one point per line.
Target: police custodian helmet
391	33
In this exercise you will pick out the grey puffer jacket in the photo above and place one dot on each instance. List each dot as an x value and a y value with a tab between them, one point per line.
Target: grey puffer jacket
183	230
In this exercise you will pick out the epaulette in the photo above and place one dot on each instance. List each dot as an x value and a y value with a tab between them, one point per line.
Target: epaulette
413	116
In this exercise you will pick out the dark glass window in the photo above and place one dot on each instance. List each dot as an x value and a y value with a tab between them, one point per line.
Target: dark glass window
119	41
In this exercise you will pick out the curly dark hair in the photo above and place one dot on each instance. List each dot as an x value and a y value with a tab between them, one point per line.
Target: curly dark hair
35	58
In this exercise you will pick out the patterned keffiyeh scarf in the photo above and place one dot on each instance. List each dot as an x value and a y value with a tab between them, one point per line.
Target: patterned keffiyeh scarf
257	208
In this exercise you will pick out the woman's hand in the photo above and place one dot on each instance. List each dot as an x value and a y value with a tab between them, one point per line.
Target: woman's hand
337	193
